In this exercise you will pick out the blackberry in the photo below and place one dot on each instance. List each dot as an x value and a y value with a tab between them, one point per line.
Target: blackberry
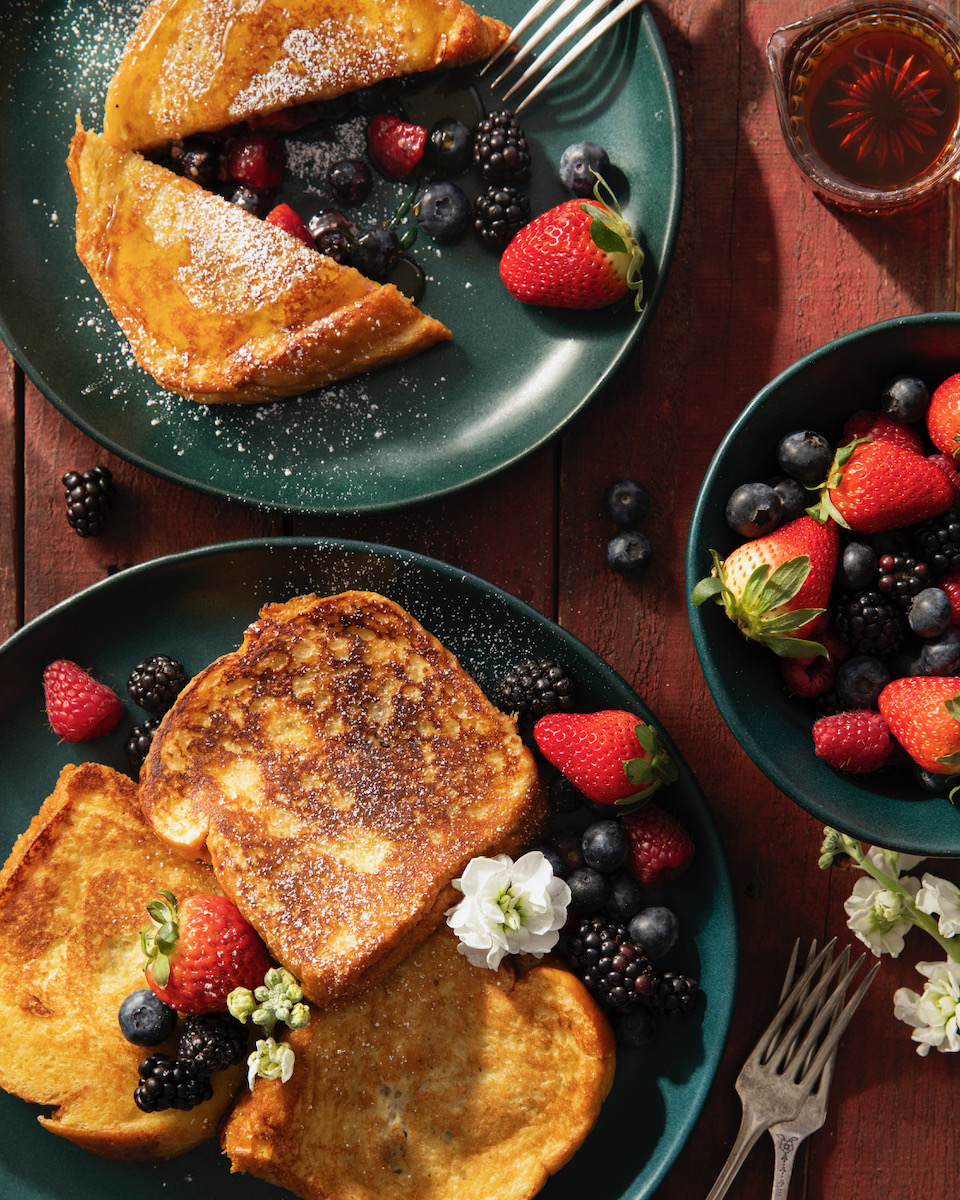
673	994
938	542
500	149
499	213
534	689
615	970
870	623
165	1083
89	498
902	576
212	1042
156	682
137	745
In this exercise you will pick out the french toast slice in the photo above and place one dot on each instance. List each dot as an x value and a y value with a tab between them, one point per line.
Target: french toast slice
73	897
201	65
339	770
444	1080
218	305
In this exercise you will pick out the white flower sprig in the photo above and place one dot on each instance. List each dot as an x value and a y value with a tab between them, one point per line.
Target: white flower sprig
881	911
508	908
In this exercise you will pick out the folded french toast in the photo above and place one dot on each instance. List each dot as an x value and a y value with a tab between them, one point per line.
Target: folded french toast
201	65
339	770
73	897
218	305
445	1080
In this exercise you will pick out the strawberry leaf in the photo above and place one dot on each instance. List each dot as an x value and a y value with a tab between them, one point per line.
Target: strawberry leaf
604	238
786	581
791	647
705	590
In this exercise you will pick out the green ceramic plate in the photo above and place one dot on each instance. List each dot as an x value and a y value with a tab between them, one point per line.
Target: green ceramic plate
512	378
818	392
196	606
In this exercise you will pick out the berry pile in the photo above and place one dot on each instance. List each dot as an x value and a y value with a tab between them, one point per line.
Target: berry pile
207	1044
861	541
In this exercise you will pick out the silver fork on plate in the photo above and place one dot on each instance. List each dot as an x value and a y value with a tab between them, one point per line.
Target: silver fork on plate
589	18
788	1060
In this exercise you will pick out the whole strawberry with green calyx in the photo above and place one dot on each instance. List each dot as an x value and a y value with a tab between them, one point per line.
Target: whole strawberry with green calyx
923	714
775	587
612	756
581	254
943	417
199	951
875	485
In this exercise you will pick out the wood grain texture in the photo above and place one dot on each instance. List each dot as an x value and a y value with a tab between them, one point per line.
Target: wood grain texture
763	273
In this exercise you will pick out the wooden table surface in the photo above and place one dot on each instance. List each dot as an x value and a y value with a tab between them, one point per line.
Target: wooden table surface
763	273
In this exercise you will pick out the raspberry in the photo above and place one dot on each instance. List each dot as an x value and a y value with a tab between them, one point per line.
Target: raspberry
395	147
660	848
78	706
256	161
873	425
951	585
814	677
856	741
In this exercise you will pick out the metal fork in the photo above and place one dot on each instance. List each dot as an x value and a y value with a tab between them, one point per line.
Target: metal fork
787	1135
583	19
787	1062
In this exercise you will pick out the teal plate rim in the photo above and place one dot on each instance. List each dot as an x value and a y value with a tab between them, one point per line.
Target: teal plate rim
511	380
197	604
821	389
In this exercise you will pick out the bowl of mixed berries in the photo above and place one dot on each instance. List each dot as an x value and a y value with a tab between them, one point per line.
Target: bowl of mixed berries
823	582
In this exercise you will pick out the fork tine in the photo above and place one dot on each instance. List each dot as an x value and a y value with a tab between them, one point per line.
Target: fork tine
583	18
767	1039
624	7
843	1020
535	39
527	20
810	1012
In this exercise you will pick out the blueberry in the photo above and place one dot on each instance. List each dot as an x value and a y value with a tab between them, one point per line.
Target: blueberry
929	612
443	211
554	858
578	164
449	147
348	181
858	566
256	203
144	1018
564	796
588	890
629	553
376	251
624	898
626	502
805	455
604	845
656	929
941	655
794	498
567	847
905	399
861	679
634	1028
753	509
934	784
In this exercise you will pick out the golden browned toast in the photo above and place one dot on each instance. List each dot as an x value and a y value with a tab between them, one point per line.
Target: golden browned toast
201	65
339	770
218	305
444	1080
73	897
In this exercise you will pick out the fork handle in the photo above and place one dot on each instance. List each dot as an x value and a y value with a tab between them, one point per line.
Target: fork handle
786	1146
751	1127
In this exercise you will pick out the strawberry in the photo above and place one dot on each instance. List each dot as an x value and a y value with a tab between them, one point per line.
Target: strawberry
395	147
78	706
923	712
199	951
856	741
776	587
612	756
943	417
872	425
660	849
878	485
286	219
581	254
948	467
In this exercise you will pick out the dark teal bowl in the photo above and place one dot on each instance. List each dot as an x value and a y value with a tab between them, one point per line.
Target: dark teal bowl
819	391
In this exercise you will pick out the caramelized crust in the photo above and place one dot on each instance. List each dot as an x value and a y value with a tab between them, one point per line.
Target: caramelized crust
218	305
445	1080
73	897
339	770
201	65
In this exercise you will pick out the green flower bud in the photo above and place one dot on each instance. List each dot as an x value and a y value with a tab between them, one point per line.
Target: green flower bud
240	1004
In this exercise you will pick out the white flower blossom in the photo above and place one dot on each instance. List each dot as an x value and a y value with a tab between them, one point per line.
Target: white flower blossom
270	1060
508	908
892	861
933	1014
876	914
941	898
